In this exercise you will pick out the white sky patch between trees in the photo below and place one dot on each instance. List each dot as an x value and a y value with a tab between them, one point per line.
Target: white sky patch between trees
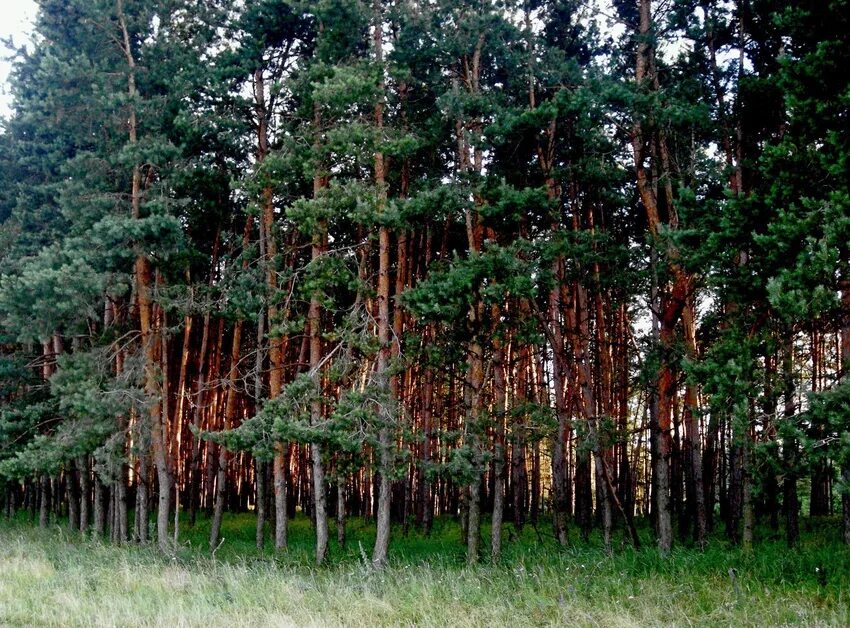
16	22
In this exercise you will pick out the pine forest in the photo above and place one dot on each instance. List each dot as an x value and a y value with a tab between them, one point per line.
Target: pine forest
514	279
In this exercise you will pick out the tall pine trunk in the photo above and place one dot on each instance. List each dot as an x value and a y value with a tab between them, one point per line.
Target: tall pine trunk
499	412
150	333
382	538
314	321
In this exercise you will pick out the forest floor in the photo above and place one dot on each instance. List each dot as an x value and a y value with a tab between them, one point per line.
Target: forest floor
54	578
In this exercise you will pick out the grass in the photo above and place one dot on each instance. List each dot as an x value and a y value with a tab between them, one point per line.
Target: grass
53	578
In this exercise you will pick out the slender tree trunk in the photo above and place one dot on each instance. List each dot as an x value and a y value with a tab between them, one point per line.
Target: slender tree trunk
340	512
735	496
85	492
177	437
73	493
382	539
475	381
200	401
844	369
314	320
580	338
426	499
119	494
229	416
709	468
9	502
499	410
697	490
100	494
44	489
673	298
275	343
260	465
44	502
259	502
230	407
112	516
602	486
149	328
560	480
140	524
519	475
560	484
473	390
747	512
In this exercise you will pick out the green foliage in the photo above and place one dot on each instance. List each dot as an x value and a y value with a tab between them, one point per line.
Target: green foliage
80	417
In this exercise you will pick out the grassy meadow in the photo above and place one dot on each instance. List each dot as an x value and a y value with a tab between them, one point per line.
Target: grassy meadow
54	578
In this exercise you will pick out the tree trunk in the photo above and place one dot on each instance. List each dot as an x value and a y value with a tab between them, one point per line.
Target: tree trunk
44	502
314	320
229	416
499	411
100	494
844	370
340	513
696	486
709	468
269	239
425	497
260	466
197	412
230	407
260	501
121	522
604	504
382	538
73	496
150	333
674	299
560	481
177	425
747	493
85	491
475	381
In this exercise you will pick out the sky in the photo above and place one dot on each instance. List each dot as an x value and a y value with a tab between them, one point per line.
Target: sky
16	17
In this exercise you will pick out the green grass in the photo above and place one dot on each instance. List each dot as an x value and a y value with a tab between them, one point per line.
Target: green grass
52	578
